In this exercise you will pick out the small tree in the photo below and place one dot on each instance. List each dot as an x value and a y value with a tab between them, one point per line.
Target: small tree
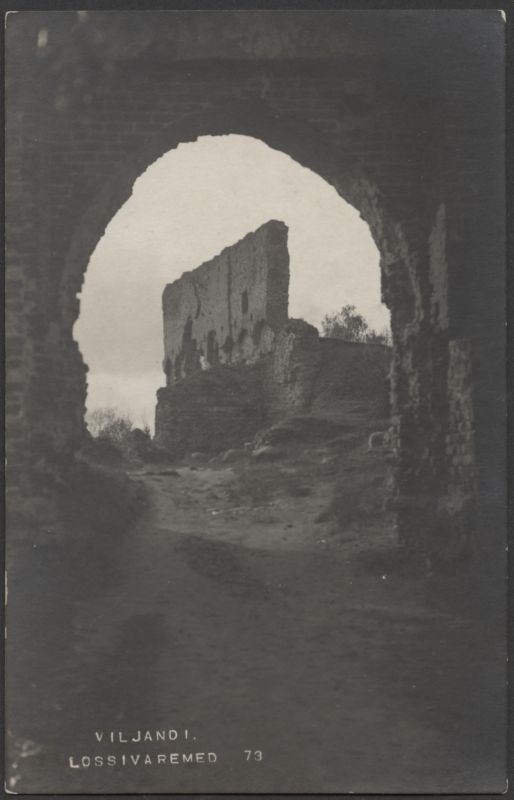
384	337
350	326
109	423
345	324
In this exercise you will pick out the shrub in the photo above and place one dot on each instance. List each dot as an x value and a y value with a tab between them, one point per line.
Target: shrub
112	429
350	326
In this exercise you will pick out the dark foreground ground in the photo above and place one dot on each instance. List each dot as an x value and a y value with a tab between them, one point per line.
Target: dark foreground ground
238	608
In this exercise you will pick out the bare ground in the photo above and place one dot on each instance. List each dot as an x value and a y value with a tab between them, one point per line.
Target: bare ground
239	607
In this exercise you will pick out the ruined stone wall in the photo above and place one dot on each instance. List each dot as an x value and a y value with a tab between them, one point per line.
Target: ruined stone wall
460	440
211	411
308	373
293	368
228	309
227	405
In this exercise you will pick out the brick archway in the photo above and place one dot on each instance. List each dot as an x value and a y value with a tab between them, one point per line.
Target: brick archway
367	118
402	291
299	142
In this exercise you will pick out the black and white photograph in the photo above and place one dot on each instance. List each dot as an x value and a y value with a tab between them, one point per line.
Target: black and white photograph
255	401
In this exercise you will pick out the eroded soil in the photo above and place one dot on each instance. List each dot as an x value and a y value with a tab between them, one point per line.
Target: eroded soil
239	608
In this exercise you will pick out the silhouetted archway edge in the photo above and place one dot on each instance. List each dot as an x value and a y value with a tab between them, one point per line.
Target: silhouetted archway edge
297	140
403	254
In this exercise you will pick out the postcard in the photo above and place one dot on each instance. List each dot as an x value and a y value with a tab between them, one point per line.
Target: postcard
255	409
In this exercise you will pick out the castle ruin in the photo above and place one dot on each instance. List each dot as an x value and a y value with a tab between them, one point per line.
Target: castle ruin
234	361
228	309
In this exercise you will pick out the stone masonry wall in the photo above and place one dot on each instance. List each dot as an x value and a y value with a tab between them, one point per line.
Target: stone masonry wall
460	442
293	368
308	373
227	405
228	309
210	411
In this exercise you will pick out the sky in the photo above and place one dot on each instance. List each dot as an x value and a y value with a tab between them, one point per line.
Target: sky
189	205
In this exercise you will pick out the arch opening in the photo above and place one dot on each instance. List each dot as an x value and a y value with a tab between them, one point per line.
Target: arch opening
185	208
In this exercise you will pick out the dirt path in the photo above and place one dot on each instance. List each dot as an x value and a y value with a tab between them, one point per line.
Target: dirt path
242	620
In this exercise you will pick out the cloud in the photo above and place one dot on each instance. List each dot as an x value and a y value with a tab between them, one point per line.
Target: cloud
185	209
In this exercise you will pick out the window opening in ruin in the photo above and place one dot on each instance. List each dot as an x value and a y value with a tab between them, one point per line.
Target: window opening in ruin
212	349
173	223
187	335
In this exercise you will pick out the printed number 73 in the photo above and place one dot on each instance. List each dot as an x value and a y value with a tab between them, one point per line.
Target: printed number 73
253	755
